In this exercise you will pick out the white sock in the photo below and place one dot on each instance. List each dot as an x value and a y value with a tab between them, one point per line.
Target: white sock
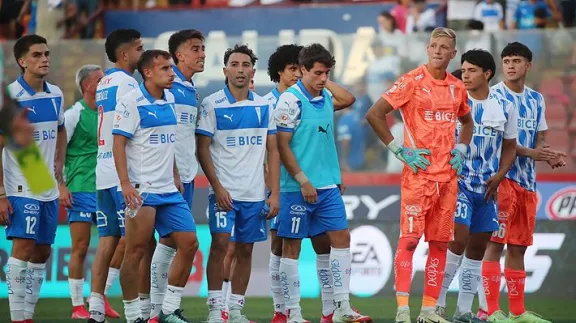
34	279
145	305
290	280
470	276
452	264
276	288
172	299
226	291
340	266
214	300
96	307
159	268
16	281
76	291
325	279
132	310
236	304
482	303
112	275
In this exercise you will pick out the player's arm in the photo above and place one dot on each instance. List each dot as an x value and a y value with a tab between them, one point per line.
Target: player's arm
5	207
61	145
205	130
272	165
396	98
126	122
286	115
341	98
177	180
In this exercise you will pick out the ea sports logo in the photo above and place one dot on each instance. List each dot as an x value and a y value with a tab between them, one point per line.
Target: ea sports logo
562	204
371	260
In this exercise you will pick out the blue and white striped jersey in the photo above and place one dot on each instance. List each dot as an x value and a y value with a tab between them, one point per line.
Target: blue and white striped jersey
113	86
531	110
46	114
483	156
239	132
186	102
150	124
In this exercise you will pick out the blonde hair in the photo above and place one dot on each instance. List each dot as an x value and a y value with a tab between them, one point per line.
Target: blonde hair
444	32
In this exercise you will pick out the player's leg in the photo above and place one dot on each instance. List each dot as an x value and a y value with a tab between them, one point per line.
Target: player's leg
484	222
462	220
414	205
330	216
80	235
113	273
175	220
438	231
227	270
520	238
491	270
144	284
22	229
220	223
109	235
321	245
249	228
46	233
139	231
274	273
293	226
161	260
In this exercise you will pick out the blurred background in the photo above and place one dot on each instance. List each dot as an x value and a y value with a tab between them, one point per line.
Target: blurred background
374	43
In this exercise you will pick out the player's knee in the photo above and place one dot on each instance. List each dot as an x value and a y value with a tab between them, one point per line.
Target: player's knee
291	248
135	253
321	244
219	245
457	246
340	239
168	242
80	249
408	243
22	249
41	253
276	247
244	251
516	252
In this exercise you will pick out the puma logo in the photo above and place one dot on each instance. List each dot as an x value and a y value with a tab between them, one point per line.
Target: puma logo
182	92
152	114
33	109
229	117
320	129
426	90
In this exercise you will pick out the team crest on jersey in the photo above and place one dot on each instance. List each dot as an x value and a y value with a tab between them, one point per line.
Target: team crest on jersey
197	96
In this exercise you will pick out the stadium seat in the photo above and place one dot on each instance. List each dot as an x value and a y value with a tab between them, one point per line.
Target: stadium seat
556	115
558	139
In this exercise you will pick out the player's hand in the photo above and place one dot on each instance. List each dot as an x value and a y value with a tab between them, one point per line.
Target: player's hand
413	158
309	193
492	187
342	187
65	196
131	196
5	211
458	156
223	199
274	204
179	185
545	154
556	163
22	131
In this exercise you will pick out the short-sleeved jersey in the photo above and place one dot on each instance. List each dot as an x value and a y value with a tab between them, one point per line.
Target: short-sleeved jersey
272	97
46	114
186	102
114	85
430	108
150	124
531	110
483	156
289	109
239	131
81	129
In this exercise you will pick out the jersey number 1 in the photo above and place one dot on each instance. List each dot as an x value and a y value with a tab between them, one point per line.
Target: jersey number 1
101	118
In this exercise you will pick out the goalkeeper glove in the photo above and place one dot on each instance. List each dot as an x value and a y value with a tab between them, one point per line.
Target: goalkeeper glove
458	155
413	158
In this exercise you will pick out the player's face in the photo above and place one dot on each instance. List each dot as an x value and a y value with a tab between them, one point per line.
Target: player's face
91	82
515	67
192	54
37	60
440	51
290	75
239	70
317	76
474	77
133	52
161	73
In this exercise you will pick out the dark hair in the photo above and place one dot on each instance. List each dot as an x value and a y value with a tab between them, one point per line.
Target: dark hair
388	15
517	49
23	44
180	37
475	25
283	56
242	49
457	74
148	57
482	59
118	38
315	53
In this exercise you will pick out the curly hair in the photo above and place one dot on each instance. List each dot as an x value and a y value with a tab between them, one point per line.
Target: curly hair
284	55
242	49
